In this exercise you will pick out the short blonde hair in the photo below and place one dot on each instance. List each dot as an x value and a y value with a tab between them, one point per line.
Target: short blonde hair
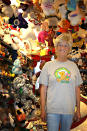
67	37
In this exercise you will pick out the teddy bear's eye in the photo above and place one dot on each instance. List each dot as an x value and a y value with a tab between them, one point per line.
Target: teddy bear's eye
53	27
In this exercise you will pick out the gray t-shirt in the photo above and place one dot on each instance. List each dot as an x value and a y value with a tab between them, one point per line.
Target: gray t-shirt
61	78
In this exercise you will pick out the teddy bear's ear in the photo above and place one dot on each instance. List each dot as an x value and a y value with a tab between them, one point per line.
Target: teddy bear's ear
22	1
7	2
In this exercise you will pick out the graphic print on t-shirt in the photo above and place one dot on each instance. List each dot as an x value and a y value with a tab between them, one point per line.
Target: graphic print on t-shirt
62	75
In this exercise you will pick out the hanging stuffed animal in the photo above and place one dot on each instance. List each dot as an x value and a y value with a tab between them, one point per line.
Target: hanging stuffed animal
83	24
26	8
17	69
6	9
75	18
77	40
17	19
71	5
11	15
82	6
64	26
62	11
52	22
47	7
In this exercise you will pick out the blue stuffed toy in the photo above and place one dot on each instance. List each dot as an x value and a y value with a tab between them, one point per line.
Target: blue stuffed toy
17	67
71	5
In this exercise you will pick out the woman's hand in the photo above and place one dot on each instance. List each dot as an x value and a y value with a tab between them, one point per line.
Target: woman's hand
78	115
43	115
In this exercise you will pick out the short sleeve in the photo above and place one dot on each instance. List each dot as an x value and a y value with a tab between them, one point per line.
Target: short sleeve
43	79
79	80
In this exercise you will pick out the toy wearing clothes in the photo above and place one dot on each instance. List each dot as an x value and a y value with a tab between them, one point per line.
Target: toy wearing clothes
18	21
35	77
11	15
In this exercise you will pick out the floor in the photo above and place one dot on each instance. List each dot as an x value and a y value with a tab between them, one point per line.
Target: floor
83	108
81	127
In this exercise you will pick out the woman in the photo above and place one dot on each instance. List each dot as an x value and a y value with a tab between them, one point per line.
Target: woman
60	81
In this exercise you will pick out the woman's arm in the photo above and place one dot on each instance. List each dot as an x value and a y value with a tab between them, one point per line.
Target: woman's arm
77	89
43	90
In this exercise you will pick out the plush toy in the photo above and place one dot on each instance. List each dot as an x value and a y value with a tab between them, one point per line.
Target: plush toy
13	16
82	6
31	9
62	11
83	24
42	36
23	1
18	21
20	114
57	4
77	40
23	94
52	22
28	34
71	5
46	36
5	8
4	116
26	7
17	67
75	18
48	8
64	26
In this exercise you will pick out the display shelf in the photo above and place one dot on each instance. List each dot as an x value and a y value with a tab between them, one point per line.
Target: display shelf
77	59
5	45
6	77
83	70
4	59
85	82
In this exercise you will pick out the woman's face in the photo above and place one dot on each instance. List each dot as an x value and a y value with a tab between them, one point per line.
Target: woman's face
62	49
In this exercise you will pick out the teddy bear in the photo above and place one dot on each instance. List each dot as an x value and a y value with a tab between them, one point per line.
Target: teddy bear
27	8
82	6
47	7
5	8
64	26
11	15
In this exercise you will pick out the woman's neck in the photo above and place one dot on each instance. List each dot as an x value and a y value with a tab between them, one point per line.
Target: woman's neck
61	59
